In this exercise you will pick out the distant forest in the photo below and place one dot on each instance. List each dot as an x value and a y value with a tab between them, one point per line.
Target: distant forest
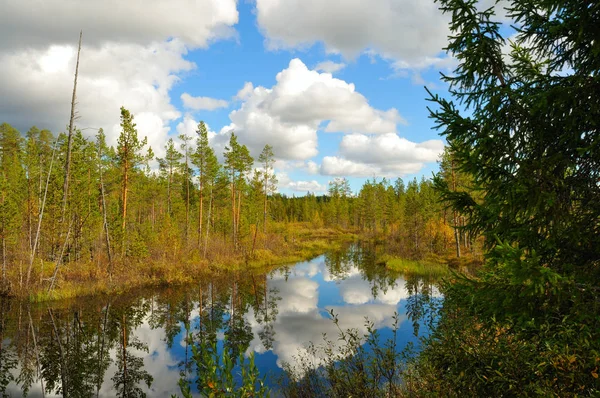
75	201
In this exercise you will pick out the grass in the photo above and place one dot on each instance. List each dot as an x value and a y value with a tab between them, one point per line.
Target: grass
424	268
284	245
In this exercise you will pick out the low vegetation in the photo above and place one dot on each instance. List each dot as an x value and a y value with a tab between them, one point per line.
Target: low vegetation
418	267
92	278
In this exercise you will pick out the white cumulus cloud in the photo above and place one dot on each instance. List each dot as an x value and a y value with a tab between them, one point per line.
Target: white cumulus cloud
330	66
128	58
245	92
284	181
389	148
202	103
113	75
382	155
37	25
288	115
406	30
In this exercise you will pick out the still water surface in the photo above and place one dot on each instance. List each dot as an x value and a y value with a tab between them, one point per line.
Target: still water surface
137	342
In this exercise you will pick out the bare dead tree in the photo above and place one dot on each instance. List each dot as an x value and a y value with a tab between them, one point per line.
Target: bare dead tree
70	136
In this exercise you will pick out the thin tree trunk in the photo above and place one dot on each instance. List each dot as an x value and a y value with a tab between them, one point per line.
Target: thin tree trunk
41	271
89	190
37	234
3	259
59	260
124	332
254	240
255	292
70	137
124	198
187	198
266	294
29	211
169	189
465	242
233	208
105	218
99	382
37	355
200	209
200	308
237	223
208	221
40	183
265	204
63	375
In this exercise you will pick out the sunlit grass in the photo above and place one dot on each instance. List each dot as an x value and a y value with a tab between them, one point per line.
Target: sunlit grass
417	267
284	244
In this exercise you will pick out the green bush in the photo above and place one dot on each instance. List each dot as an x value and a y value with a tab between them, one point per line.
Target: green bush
215	374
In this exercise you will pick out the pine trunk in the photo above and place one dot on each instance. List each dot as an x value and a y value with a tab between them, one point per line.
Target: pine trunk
233	210
124	198
105	222
265	204
208	221
237	223
187	198
200	209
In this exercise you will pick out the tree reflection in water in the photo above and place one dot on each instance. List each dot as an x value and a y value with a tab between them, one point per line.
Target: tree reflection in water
141	343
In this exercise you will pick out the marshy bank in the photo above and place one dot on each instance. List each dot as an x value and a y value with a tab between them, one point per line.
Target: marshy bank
174	266
148	340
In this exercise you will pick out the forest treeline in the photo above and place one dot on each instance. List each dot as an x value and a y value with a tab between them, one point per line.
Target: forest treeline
65	203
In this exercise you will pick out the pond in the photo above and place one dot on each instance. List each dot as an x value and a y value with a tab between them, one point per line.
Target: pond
102	346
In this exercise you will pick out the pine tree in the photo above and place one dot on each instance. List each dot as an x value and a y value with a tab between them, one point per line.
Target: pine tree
129	156
238	162
267	159
185	147
205	160
169	165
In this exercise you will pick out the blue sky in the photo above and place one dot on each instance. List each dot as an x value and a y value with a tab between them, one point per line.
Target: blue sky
336	87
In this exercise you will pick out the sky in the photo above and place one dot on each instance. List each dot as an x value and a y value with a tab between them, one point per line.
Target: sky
336	87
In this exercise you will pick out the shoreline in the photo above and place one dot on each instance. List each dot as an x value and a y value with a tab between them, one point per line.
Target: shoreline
92	279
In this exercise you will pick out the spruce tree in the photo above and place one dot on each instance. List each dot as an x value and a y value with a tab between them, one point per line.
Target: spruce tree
525	128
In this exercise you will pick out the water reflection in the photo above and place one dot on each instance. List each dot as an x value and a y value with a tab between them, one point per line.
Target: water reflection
141	343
